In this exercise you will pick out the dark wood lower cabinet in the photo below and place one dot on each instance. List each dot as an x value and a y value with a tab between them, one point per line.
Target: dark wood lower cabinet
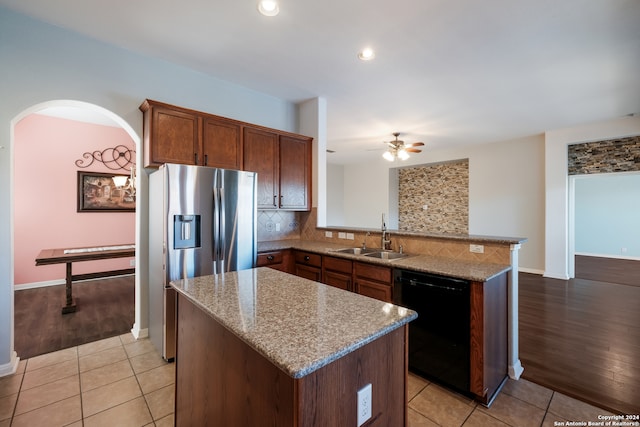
222	381
373	281
488	336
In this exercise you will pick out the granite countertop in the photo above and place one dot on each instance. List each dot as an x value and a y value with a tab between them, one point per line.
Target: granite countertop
461	269
297	324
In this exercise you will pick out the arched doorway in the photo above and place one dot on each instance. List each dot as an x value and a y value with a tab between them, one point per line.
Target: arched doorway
76	108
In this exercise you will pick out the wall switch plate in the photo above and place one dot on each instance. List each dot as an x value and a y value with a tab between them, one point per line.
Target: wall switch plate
342	235
277	226
350	236
132	263
476	249
364	404
328	234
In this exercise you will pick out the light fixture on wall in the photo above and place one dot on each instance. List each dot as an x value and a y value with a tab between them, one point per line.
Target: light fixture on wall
399	150
119	157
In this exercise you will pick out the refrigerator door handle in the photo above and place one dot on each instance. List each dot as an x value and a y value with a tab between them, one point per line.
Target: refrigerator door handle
215	241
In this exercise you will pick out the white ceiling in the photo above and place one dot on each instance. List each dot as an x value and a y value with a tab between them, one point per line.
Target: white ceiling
446	72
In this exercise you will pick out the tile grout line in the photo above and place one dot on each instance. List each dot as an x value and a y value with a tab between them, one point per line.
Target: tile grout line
15	405
80	386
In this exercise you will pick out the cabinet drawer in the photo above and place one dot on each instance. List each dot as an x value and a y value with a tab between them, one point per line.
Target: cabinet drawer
269	258
307	258
338	264
373	272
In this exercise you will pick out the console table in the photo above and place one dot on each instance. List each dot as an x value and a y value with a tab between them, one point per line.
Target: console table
71	255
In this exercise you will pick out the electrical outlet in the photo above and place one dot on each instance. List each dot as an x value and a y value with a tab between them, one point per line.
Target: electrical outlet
476	249
328	234
132	263
364	404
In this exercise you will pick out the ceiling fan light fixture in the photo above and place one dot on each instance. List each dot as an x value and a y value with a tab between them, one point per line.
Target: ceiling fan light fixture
388	155
402	154
268	7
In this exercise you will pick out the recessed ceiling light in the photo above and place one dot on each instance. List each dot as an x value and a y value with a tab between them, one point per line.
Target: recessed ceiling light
268	7
367	54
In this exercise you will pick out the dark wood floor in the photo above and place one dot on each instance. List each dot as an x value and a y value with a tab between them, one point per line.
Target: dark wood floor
621	271
105	308
582	338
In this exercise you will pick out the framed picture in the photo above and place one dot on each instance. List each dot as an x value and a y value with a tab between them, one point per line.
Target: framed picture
97	192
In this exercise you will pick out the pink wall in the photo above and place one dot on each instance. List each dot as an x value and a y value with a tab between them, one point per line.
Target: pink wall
45	183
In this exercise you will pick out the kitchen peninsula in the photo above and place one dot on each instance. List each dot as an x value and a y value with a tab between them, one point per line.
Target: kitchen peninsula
261	347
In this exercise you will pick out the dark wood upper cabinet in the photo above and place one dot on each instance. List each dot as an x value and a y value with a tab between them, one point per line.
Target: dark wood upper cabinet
295	173
170	135
283	163
221	147
281	159
260	154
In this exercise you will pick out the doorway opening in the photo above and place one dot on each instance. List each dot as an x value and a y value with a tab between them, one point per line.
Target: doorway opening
58	192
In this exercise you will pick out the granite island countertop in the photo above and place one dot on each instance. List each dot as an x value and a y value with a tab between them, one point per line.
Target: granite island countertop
297	324
461	269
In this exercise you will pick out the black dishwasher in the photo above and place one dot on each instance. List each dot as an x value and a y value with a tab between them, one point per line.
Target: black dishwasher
439	338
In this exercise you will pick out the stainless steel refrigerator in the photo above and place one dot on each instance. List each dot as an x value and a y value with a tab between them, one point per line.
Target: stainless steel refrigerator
201	221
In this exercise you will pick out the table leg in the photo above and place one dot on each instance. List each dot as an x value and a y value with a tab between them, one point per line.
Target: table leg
70	305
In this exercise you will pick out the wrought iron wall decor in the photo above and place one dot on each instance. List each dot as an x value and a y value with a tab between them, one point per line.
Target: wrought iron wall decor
118	157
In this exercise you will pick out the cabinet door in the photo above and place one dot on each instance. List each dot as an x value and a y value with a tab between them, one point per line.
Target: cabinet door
377	290
260	154
295	173
308	272
337	279
171	136
221	144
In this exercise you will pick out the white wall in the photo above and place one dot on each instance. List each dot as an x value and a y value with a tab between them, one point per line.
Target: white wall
557	263
607	212
335	194
506	192
42	63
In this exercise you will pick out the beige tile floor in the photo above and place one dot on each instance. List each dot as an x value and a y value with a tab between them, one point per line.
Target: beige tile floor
123	382
112	382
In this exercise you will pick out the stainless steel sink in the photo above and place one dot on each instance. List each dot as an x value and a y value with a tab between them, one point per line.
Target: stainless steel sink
386	255
355	251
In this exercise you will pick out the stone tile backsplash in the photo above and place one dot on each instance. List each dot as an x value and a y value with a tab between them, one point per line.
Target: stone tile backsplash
613	155
434	198
278	225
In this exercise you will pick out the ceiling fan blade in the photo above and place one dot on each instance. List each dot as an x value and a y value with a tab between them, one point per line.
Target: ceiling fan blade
415	144
413	150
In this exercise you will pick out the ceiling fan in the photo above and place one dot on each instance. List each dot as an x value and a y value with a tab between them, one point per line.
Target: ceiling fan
397	149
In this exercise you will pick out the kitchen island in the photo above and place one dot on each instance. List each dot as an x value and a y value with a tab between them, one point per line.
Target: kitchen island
264	348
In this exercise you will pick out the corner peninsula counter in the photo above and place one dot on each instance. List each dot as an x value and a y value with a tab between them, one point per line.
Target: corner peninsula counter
264	348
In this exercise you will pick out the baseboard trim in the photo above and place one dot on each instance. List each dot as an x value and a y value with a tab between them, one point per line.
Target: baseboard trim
139	333
632	258
11	367
531	270
35	285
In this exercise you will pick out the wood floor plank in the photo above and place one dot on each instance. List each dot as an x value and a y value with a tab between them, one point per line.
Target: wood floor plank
582	338
105	309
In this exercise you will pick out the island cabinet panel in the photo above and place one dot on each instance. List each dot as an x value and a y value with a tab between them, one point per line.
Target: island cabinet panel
373	281
221	146
328	396
260	152
488	336
171	135
222	381
337	272
278	260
